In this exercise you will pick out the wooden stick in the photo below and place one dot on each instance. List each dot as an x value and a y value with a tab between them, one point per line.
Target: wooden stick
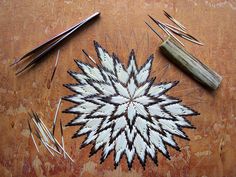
190	64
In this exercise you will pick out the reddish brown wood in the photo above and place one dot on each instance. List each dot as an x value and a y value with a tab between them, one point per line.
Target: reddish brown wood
25	24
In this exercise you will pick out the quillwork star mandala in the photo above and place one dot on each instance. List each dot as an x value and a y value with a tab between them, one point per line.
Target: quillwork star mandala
122	109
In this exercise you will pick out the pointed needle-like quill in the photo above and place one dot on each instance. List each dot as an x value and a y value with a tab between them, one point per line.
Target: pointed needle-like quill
50	135
154	31
184	35
31	134
52	148
39	127
176	28
171	34
62	139
174	20
44	143
64	150
55	117
88	56
54	69
164	28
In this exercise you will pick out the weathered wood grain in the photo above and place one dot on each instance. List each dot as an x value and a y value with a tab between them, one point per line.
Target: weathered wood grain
211	151
181	57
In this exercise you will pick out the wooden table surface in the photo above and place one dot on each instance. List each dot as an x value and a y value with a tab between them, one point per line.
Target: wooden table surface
120	28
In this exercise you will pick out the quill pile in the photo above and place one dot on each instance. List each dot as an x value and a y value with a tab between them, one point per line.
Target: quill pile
47	137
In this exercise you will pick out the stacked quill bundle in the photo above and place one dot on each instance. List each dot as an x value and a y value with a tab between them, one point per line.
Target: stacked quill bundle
46	137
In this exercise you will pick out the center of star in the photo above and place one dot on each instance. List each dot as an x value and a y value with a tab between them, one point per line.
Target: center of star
118	99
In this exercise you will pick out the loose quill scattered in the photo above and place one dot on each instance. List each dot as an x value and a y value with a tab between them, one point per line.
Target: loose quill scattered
182	58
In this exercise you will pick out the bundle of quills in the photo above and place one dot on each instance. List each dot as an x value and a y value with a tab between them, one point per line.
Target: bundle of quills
47	136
